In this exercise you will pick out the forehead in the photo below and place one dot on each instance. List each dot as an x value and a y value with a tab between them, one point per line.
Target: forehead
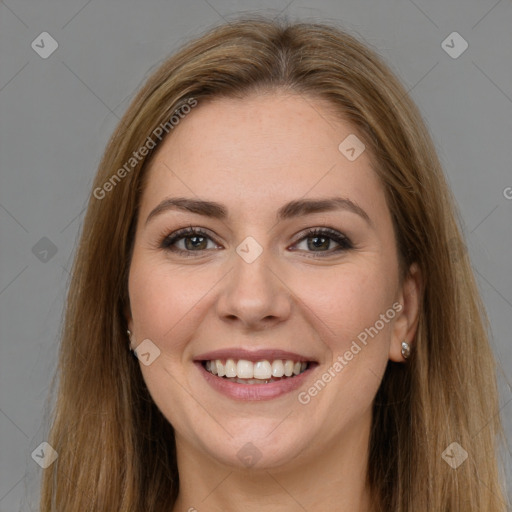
260	151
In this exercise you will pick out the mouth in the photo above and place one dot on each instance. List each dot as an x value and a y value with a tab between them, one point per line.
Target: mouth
262	375
243	371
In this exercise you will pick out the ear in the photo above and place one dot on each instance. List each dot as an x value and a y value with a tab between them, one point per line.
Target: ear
406	322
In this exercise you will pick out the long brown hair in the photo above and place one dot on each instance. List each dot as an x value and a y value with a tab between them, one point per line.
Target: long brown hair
115	449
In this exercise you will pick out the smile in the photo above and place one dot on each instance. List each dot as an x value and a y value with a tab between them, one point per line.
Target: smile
243	371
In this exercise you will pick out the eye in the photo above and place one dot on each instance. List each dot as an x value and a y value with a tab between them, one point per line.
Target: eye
194	240
319	240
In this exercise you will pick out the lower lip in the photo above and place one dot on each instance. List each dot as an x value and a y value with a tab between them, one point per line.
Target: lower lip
254	391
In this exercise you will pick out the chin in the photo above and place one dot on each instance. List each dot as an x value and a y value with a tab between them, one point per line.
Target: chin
260	447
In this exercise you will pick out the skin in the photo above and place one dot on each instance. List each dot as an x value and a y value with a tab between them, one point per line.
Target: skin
253	156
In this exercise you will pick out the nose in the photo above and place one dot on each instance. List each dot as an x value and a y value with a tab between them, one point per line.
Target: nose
253	295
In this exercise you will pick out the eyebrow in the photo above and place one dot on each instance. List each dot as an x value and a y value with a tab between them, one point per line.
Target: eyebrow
290	210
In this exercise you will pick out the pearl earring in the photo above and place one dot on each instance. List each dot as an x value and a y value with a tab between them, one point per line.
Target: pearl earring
130	342
406	349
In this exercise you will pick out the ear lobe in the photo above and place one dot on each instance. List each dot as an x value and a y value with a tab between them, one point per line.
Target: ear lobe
407	320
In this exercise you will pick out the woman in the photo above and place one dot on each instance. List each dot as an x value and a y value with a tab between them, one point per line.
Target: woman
270	233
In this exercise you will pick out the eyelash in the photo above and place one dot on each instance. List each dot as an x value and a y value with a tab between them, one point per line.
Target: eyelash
344	243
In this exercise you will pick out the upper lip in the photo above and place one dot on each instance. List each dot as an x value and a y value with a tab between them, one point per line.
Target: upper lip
252	355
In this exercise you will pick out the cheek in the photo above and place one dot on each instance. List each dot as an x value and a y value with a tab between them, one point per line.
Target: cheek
151	300
342	302
165	302
345	306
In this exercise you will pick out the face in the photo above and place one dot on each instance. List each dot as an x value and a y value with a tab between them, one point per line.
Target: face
267	276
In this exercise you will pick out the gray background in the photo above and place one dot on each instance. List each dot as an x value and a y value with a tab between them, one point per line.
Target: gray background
57	114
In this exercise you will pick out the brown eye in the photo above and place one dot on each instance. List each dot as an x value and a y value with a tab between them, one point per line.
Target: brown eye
194	240
321	240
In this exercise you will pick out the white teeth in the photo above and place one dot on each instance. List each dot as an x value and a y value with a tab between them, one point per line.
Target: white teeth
230	368
288	368
245	369
277	368
220	368
262	370
254	372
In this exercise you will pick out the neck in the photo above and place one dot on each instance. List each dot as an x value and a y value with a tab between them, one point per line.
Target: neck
333	478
